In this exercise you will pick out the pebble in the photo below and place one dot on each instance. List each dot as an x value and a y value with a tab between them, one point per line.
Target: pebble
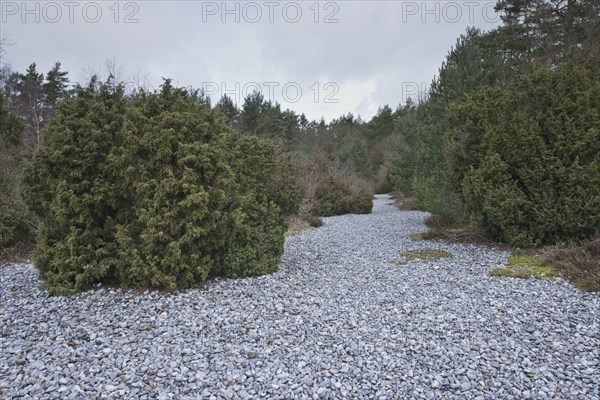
339	320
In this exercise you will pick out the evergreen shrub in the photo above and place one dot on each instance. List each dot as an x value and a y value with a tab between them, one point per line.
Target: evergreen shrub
526	157
152	192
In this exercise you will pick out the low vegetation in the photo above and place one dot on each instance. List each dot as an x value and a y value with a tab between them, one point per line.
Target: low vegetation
403	202
337	198
428	255
579	264
156	192
530	174
526	266
299	223
18	252
440	228
17	224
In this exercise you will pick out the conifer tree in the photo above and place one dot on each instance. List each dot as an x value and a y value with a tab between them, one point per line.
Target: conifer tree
153	192
527	156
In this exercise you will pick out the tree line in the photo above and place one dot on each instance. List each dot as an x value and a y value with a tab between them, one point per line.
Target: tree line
507	139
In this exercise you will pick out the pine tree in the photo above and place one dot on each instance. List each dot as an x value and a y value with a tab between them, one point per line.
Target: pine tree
31	103
55	89
252	108
382	124
11	130
227	107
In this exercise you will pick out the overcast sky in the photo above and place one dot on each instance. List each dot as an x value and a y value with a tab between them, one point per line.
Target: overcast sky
322	58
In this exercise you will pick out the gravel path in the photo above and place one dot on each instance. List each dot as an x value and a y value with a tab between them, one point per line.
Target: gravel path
339	320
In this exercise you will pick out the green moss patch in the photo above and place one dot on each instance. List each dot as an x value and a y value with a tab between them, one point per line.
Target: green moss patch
422	255
526	267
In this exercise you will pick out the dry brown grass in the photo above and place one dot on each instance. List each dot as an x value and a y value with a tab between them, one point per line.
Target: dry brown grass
403	202
579	264
443	228
300	223
313	220
453	232
18	253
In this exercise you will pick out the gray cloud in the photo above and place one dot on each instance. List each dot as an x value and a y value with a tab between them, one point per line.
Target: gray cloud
375	51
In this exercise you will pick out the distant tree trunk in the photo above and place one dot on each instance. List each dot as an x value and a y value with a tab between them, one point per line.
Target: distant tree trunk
32	104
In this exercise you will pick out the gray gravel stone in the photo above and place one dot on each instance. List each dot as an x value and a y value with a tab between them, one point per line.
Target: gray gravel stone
338	320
